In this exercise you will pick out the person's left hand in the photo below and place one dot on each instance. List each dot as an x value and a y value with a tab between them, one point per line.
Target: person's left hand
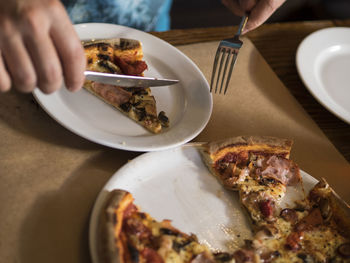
259	10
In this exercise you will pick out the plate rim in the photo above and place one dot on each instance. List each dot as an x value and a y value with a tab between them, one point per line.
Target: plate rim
107	188
151	146
299	58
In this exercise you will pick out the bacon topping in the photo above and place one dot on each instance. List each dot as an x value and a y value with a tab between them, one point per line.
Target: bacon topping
266	208
244	256
151	256
293	240
313	219
135	68
129	210
280	169
135	227
111	93
235	157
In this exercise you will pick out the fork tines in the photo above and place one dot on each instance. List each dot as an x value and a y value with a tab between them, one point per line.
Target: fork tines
225	59
226	55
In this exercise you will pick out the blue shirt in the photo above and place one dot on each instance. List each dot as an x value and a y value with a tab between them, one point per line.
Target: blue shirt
146	15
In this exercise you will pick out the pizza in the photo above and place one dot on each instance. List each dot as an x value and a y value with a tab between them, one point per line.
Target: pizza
259	169
315	229
123	56
126	234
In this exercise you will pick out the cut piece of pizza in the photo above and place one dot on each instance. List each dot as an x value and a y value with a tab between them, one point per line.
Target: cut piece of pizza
232	159
258	168
128	235
123	56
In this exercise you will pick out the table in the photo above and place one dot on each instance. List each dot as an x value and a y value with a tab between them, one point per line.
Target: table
278	43
50	180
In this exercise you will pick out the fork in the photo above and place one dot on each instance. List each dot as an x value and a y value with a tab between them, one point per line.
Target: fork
227	51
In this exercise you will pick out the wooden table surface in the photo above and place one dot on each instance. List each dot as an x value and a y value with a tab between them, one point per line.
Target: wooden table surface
278	44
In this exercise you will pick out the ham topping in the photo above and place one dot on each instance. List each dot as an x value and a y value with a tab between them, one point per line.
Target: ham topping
111	93
280	169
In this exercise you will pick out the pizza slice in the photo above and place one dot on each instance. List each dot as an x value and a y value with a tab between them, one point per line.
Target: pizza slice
128	235
258	168
123	56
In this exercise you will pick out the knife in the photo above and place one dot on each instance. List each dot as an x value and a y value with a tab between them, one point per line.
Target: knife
127	80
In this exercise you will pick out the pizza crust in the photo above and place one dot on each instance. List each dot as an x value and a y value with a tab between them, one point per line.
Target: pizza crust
275	145
109	223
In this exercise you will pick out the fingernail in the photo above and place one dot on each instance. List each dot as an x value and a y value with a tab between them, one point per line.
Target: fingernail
72	89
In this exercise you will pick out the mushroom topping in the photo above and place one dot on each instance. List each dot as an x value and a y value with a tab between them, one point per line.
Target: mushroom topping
202	258
325	208
289	215
344	250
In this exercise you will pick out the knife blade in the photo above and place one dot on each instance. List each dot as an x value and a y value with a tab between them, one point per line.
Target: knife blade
127	80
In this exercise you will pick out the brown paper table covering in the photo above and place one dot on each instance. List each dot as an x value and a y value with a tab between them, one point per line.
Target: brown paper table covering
50	177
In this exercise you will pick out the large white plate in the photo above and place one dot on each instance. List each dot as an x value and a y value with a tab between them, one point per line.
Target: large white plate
323	62
187	104
175	184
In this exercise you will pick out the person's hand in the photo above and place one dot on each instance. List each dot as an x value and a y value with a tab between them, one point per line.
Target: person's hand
38	47
259	10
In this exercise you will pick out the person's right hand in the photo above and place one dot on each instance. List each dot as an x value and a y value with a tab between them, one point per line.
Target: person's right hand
259	10
38	47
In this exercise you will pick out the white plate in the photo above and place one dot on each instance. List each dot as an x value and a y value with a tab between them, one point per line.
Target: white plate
175	184
323	62
187	104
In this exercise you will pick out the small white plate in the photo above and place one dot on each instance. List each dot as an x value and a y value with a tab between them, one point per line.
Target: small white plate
187	104
323	63
175	184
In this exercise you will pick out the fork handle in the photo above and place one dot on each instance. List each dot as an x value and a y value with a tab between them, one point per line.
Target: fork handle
242	25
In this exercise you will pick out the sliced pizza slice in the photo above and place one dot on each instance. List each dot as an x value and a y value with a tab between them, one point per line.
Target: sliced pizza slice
128	235
258	168
123	56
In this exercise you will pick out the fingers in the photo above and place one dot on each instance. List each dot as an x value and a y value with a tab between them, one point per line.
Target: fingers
42	52
70	50
261	12
5	81
16	58
39	48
